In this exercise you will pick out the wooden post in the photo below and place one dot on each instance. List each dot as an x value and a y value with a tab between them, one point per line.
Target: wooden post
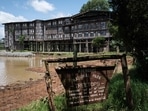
126	77
49	87
75	55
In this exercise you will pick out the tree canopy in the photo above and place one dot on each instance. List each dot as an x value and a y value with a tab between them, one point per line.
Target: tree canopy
98	42
95	5
131	17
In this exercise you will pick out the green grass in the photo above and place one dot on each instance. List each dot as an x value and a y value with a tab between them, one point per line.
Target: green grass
60	103
39	105
116	98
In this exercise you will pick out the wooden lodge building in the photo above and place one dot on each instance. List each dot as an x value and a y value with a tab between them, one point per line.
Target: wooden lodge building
58	34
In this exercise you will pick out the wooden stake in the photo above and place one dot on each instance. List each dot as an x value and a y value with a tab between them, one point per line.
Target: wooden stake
75	55
49	87
126	77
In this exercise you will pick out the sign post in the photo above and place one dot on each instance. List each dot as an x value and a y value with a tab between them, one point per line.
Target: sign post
85	85
48	82
126	77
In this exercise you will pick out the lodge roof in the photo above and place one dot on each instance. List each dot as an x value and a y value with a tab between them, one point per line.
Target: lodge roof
91	13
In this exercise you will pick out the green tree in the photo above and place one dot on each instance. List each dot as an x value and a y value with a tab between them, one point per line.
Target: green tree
102	5
21	41
98	42
131	17
116	41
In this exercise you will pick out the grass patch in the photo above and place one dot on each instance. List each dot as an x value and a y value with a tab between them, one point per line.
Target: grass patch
39	105
117	99
60	103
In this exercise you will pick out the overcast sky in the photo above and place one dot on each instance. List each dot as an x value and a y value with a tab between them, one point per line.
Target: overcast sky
28	10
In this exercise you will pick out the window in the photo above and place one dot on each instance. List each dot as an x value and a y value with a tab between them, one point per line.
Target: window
66	28
80	35
79	26
24	32
31	31
60	29
92	25
86	34
54	23
31	24
102	32
85	26
97	34
92	34
68	35
102	25
67	21
75	35
54	36
49	23
60	36
16	37
24	25
72	28
49	36
60	22
17	25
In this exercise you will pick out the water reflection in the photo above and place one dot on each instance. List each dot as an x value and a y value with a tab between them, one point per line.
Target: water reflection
13	69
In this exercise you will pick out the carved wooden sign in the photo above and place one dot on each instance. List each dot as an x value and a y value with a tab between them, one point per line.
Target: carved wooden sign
85	85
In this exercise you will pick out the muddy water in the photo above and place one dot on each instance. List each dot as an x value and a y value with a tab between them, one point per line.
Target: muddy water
13	69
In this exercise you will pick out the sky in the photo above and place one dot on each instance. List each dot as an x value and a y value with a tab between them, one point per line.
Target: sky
28	10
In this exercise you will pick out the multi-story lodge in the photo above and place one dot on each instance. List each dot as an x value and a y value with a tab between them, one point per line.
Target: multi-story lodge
58	34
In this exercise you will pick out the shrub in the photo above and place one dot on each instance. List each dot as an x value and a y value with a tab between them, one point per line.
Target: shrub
116	98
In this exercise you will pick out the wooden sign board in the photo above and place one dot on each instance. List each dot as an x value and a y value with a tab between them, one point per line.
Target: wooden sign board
85	85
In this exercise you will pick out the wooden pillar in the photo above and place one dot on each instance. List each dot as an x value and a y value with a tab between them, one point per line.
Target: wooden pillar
129	100
80	47
48	81
86	45
43	46
75	55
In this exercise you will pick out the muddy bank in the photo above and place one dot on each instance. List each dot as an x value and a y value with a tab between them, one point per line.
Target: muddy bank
17	95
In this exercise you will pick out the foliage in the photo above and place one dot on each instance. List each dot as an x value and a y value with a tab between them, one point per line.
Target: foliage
95	5
116	98
116	41
98	42
2	46
39	105
60	103
21	39
131	17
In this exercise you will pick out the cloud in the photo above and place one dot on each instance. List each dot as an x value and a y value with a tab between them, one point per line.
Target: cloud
60	14
8	17
41	5
1	32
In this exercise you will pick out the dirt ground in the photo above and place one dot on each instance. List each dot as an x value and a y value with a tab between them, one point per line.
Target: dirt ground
55	78
87	63
57	85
